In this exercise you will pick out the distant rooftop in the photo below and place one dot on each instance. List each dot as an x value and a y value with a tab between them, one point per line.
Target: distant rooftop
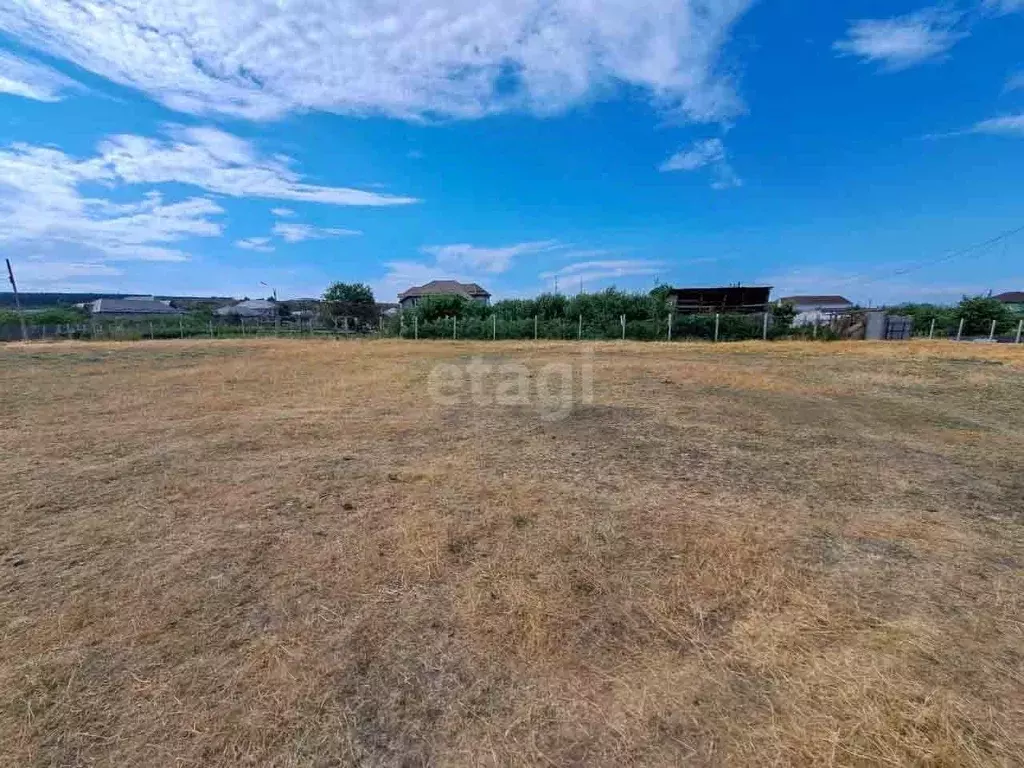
250	308
1011	297
445	287
133	307
816	300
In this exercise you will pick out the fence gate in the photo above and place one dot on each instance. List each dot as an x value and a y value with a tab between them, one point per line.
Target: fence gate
898	328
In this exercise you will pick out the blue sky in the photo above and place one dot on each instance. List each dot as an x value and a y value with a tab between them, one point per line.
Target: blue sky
205	147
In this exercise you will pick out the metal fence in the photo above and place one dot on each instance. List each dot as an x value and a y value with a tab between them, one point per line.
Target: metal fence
667	328
183	327
709	327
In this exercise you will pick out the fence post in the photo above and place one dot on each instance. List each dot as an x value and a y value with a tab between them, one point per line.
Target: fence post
815	327
579	329
151	336
622	319
494	327
181	327
211	329
416	326
670	326
1020	328
992	331
718	319
960	330
535	328
764	328
931	331
455	327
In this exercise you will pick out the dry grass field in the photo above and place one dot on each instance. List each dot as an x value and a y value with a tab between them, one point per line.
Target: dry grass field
286	553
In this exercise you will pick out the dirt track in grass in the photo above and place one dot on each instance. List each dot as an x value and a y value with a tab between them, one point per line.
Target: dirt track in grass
287	553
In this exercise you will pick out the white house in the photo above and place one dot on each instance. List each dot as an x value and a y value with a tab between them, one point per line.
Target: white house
262	308
817	309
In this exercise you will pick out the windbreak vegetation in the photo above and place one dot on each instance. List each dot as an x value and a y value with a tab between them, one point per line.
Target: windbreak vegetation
608	314
977	312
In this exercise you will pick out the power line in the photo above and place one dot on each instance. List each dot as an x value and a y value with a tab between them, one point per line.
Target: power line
982	246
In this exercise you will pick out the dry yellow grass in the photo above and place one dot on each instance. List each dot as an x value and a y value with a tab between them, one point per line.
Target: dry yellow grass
283	553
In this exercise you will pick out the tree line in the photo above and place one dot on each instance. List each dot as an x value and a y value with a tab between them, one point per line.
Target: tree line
977	312
599	315
590	315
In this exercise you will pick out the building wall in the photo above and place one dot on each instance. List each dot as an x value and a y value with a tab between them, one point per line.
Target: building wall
412	301
135	315
825	308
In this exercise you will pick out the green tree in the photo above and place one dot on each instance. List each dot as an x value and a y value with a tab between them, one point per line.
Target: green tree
945	317
515	309
978	312
551	306
56	316
440	306
660	294
354	300
783	315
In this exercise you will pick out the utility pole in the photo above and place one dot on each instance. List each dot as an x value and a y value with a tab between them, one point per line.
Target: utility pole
17	301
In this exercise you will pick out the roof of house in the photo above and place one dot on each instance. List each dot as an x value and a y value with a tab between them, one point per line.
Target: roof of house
816	301
1011	297
133	307
249	307
445	287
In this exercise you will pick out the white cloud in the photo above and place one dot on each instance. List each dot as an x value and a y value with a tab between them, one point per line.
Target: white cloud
297	233
903	41
41	204
36	270
1015	82
21	77
461	261
1006	125
592	271
283	213
1004	6
725	177
258	244
225	164
707	153
455	58
1009	125
401	275
700	154
44	208
490	260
